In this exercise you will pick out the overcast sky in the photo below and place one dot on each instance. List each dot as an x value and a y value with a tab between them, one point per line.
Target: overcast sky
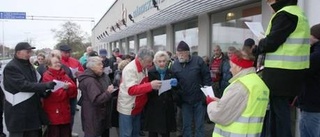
39	32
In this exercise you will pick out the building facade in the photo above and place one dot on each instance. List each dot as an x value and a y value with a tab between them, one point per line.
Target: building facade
161	24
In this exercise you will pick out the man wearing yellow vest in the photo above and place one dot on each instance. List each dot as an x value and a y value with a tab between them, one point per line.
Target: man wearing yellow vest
241	110
287	50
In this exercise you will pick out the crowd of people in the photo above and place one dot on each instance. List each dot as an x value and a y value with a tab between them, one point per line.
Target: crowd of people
161	92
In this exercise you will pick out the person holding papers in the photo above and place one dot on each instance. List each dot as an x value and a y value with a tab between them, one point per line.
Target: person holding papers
133	90
96	89
192	73
57	106
241	110
159	110
23	113
287	49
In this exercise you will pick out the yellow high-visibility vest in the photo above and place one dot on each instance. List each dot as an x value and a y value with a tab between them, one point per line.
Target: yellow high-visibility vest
249	124
294	53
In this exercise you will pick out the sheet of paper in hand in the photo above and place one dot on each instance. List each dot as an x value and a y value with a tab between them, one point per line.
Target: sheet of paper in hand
208	91
107	70
256	28
165	86
59	84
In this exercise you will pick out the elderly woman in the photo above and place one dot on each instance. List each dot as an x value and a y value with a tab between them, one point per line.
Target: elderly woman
96	89
242	108
160	114
57	106
42	67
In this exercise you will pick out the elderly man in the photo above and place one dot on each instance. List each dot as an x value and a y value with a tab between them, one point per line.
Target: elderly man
216	65
133	93
24	115
192	73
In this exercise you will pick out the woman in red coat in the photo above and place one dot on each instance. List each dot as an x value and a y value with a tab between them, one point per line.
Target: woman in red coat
57	106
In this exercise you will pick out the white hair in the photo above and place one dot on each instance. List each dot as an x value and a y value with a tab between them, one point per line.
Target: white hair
161	54
145	53
93	61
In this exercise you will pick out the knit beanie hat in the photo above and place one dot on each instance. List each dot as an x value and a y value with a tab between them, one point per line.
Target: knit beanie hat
183	46
315	31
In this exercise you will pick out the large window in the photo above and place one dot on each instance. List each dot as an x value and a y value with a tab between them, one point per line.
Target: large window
115	45
142	40
159	39
188	32
229	28
131	45
122	45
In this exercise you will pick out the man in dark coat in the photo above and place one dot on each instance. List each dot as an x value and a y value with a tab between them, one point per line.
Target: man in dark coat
24	115
192	73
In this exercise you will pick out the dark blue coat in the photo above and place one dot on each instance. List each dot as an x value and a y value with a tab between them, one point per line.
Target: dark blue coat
226	75
309	99
191	76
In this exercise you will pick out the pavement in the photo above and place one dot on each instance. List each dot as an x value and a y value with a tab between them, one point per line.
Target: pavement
78	129
113	133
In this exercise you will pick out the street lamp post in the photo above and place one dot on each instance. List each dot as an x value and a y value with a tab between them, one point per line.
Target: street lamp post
28	39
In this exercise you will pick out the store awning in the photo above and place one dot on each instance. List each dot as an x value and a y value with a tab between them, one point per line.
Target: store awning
178	11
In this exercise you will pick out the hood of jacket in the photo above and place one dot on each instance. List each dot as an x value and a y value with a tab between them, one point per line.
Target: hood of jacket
282	3
88	73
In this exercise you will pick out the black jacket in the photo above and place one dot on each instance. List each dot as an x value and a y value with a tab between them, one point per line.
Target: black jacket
159	112
191	76
113	65
309	99
281	82
20	76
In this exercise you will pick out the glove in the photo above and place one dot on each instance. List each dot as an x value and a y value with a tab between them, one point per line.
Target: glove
45	94
50	85
209	100
173	82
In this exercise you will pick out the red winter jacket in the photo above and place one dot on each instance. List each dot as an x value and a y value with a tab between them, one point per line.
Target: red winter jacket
72	63
57	106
